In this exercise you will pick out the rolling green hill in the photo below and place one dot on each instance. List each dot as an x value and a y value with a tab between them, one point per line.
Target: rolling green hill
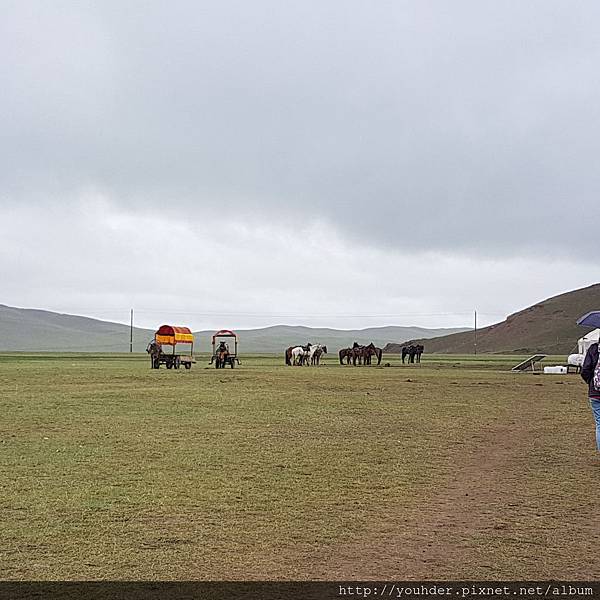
548	327
279	337
44	331
33	330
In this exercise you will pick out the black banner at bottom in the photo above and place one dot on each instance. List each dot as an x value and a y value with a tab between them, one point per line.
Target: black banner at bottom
294	590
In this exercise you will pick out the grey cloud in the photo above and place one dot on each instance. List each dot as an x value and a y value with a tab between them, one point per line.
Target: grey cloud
463	127
101	262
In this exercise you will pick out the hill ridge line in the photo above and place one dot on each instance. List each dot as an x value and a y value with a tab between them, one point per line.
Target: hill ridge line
548	326
41	330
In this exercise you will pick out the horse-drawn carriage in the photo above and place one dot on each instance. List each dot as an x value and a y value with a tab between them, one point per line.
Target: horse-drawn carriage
221	353
168	335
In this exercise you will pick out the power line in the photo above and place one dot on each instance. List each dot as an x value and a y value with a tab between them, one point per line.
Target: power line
80	312
311	315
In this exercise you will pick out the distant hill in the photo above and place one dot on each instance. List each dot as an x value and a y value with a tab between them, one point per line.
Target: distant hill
279	337
44	331
23	329
548	327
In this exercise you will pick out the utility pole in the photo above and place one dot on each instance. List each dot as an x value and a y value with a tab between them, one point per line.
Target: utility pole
475	344
131	332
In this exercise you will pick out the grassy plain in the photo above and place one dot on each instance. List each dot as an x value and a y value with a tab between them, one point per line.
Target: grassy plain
452	469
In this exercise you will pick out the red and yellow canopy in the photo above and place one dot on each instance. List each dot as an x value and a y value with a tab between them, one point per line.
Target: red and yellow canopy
224	333
170	335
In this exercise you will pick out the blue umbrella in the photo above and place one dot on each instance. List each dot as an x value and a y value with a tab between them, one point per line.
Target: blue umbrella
591	319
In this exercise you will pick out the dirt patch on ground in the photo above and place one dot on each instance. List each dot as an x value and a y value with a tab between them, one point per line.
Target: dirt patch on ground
456	533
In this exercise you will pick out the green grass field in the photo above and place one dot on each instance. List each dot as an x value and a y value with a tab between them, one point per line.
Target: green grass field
455	468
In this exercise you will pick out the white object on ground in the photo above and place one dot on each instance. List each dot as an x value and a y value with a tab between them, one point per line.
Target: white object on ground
558	370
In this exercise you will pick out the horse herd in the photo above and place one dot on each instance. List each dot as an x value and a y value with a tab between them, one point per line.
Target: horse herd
357	355
413	353
304	355
360	355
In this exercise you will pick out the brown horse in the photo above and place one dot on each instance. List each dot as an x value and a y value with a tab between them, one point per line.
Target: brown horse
413	352
288	355
154	349
315	359
372	350
357	354
405	352
222	356
367	352
345	354
419	349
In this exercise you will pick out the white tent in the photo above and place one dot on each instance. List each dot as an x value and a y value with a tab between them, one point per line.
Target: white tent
587	340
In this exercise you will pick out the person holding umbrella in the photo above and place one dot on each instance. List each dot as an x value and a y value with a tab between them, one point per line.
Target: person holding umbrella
590	371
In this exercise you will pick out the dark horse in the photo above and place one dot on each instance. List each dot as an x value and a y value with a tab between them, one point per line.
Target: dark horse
288	355
357	353
369	351
222	356
154	349
362	354
345	354
316	357
413	352
419	349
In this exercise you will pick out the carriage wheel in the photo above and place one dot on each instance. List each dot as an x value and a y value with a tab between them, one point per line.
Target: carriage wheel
188	365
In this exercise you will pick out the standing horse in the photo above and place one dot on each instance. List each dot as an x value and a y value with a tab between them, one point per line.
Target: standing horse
412	354
301	354
316	357
297	355
367	352
316	352
419	350
323	351
372	350
288	356
345	354
378	354
357	353
221	355
154	349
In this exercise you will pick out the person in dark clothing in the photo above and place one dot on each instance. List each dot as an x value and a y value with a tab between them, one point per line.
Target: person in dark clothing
587	374
223	347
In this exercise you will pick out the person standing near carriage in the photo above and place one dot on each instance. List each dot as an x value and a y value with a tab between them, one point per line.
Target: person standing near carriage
587	374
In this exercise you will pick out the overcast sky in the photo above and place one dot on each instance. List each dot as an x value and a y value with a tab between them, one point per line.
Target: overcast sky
332	163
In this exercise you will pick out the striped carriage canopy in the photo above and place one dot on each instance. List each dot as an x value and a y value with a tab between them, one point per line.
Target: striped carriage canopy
170	335
224	333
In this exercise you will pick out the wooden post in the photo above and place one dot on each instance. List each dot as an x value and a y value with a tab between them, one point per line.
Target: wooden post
131	332
475	344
